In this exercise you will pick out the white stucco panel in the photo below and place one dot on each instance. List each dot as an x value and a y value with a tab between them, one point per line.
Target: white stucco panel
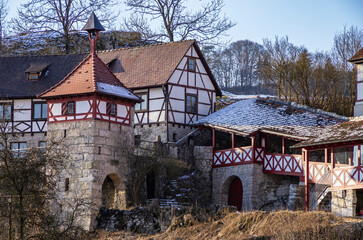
175	76
194	53
360	91
153	116
177	92
182	63
121	110
57	109
22	104
82	106
200	66
177	105
102	107
22	115
184	78
191	79
189	52
360	72
207	82
156	93
155	104
179	117
203	109
203	97
198	81
192	90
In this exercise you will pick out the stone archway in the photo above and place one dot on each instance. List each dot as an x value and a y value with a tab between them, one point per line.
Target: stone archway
233	192
113	192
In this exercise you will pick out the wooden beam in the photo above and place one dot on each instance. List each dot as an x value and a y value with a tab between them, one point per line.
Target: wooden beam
214	140
253	148
233	140
283	150
306	156
263	140
332	158
359	156
326	157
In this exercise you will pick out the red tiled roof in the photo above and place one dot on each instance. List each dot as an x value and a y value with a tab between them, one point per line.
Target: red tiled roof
85	78
150	65
358	56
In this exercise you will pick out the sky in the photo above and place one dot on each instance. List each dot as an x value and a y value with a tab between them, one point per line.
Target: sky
311	23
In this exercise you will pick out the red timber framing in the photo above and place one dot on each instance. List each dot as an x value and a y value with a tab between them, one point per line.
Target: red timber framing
89	107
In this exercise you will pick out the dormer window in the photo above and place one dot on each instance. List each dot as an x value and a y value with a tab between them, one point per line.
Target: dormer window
36	70
191	64
33	76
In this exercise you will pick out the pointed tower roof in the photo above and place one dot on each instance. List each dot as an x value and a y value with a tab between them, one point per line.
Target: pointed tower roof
93	24
90	76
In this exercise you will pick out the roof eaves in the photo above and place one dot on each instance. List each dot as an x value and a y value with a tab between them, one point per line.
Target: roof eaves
307	144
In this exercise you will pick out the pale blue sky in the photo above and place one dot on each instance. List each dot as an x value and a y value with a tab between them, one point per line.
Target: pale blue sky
311	23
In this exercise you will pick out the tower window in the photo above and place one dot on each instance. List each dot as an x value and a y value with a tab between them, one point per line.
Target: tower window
111	109
68	108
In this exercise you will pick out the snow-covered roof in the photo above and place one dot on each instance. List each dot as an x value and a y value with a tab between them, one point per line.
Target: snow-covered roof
271	116
118	91
339	133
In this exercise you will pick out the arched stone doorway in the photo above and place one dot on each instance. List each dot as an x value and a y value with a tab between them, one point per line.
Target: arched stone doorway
150	185
235	193
113	192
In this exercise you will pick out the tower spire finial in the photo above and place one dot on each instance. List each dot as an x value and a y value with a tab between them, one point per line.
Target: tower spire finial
93	27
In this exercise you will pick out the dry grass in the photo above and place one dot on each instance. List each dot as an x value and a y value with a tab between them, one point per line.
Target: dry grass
258	225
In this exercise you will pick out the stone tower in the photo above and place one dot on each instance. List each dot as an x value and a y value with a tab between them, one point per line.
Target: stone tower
90	112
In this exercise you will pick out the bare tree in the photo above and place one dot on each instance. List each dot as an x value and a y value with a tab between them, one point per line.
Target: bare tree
28	179
3	14
177	21
61	16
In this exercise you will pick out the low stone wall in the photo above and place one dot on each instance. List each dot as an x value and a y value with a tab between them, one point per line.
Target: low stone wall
260	191
344	203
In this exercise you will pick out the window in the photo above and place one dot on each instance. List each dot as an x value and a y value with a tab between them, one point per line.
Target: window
143	105
111	109
68	108
33	76
137	140
40	110
191	103
5	111
191	64
18	149
42	145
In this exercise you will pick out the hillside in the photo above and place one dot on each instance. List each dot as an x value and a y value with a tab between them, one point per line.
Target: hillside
255	225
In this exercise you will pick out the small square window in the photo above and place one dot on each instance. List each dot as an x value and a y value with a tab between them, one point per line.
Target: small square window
40	110
191	103
143	105
33	76
137	140
5	111
68	108
111	109
18	149
191	64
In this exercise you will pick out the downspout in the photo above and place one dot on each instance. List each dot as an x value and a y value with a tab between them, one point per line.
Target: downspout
166	93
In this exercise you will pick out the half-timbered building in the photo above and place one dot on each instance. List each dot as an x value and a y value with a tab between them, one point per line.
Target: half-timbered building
253	155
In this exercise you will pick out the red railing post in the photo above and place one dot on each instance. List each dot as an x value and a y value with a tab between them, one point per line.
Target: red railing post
214	140
253	148
283	150
306	155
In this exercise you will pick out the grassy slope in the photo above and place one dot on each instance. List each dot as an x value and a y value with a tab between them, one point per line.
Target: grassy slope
258	225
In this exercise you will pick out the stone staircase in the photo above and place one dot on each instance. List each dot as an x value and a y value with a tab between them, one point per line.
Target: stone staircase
318	194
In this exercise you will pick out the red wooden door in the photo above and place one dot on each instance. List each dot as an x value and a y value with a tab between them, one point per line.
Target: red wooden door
235	194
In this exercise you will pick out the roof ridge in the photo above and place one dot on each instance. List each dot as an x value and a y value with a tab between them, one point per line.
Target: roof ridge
145	46
305	108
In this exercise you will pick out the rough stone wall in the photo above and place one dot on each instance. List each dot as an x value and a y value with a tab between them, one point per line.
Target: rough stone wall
260	191
96	149
31	140
153	132
344	203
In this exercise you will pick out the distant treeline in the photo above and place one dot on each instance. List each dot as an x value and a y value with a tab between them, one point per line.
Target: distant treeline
323	80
